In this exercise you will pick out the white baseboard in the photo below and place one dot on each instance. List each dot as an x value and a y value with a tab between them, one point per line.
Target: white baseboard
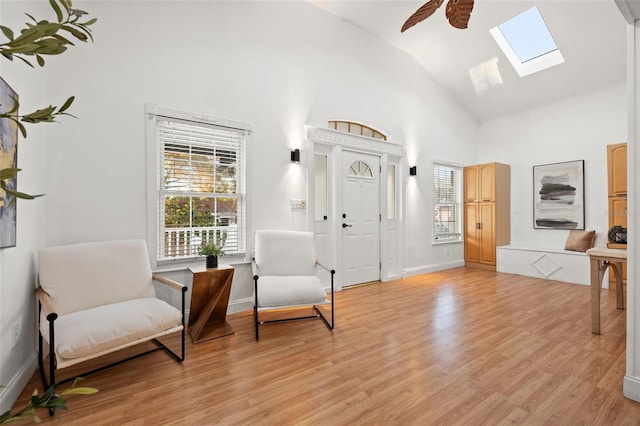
631	387
391	277
409	272
13	389
240	305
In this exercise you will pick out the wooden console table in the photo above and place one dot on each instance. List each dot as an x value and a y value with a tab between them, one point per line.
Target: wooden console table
600	259
209	301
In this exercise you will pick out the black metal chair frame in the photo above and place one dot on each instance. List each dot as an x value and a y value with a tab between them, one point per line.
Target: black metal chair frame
319	314
52	361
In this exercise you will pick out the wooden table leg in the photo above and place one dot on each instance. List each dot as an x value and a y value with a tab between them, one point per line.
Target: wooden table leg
596	285
617	270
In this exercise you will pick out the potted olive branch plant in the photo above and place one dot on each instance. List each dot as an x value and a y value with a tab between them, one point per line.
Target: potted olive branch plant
41	38
211	250
38	39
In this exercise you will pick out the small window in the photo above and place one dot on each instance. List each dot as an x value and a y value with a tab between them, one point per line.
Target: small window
391	191
356	129
527	42
447	213
322	186
360	169
200	184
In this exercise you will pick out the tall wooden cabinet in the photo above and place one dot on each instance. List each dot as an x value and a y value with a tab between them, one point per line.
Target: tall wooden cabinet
617	186
487	212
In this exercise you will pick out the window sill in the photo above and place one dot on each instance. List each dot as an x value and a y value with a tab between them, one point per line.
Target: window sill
173	265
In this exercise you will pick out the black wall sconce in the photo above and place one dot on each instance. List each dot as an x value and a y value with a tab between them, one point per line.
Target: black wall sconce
295	156
413	171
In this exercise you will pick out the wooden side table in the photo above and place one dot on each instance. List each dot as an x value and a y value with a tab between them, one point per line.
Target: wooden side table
209	300
600	259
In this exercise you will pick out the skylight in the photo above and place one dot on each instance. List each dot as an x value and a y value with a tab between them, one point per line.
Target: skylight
527	42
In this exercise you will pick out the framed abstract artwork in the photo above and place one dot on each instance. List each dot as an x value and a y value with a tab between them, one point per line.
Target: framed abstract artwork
8	159
558	195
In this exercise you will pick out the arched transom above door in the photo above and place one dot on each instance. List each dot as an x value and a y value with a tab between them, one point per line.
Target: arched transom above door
360	169
356	129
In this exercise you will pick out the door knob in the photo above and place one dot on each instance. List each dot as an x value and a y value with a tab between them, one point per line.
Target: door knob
344	225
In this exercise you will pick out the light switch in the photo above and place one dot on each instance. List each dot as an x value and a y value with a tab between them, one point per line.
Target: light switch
298	204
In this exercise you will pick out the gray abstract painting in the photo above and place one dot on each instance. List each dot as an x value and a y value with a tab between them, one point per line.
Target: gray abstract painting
558	191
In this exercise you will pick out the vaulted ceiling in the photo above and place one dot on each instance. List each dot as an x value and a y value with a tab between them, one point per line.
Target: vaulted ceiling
591	34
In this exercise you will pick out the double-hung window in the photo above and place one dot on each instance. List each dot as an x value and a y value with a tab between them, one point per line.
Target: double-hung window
199	182
447	195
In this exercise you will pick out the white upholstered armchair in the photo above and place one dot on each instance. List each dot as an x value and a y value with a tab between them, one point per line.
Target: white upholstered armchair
285	275
97	298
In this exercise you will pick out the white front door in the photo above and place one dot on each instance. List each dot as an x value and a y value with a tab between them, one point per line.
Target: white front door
360	218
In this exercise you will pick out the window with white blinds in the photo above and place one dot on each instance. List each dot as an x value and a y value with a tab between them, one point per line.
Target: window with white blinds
447	195
201	187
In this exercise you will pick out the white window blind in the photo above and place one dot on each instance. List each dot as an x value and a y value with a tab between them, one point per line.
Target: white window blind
447	194
201	187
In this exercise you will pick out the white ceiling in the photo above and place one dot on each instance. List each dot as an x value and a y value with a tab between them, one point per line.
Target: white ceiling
591	34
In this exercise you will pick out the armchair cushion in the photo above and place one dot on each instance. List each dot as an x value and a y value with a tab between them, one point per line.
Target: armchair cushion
284	291
285	253
82	276
90	332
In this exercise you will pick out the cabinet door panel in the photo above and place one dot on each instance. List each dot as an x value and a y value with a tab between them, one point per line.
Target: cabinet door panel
617	168
471	184
487	176
487	233
471	240
618	211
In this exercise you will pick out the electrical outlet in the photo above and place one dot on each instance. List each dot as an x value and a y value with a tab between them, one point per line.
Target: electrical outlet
15	334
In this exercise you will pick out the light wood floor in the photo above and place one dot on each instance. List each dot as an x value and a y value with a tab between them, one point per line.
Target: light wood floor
464	346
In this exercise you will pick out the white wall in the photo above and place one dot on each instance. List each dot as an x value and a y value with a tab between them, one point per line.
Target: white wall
575	129
275	65
18	264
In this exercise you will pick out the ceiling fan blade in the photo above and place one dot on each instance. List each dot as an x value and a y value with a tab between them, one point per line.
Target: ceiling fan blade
421	14
458	13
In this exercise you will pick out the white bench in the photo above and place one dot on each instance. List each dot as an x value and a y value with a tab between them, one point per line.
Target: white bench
553	264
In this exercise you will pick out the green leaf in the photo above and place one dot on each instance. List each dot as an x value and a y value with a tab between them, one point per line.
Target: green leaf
40	60
21	195
25	61
25	48
32	18
67	104
56	8
75	32
90	22
8	173
14	108
23	131
8	33
80	391
62	39
51	29
41	113
14	419
28	36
